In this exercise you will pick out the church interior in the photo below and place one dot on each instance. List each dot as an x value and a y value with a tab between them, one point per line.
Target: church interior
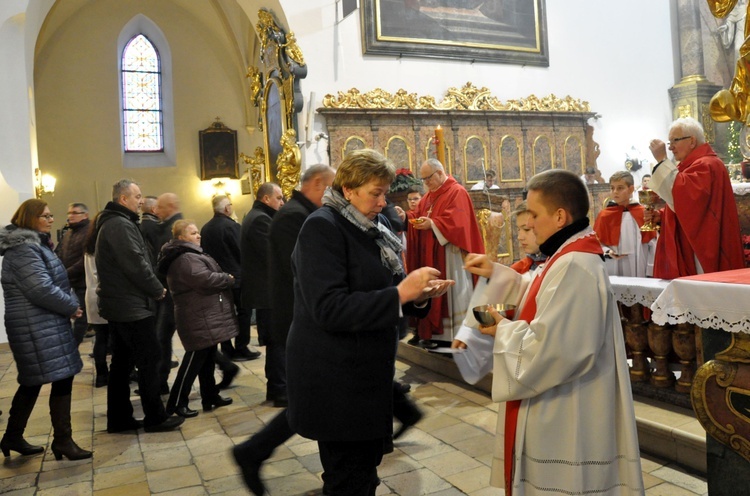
249	91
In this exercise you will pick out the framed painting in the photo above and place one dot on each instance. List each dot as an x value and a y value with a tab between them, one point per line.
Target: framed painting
218	150
502	31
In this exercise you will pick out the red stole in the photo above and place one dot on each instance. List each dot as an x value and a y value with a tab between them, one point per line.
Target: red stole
587	244
609	223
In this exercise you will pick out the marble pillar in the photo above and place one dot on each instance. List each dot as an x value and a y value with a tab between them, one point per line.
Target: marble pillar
691	96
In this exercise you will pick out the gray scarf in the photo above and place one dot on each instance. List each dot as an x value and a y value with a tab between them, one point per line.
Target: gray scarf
390	245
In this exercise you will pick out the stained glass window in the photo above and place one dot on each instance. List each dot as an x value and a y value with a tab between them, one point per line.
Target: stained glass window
141	95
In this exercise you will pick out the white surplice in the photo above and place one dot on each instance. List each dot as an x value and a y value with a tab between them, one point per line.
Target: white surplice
639	257
576	430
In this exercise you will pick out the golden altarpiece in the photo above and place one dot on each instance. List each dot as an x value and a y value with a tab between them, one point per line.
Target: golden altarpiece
516	139
274	89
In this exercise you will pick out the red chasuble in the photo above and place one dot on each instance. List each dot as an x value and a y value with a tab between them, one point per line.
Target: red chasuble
586	244
704	222
609	221
451	210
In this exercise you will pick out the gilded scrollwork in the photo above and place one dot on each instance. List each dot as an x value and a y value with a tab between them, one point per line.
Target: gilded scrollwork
469	97
288	163
292	49
256	163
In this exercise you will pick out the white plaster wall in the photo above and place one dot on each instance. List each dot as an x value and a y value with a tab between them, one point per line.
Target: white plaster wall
615	55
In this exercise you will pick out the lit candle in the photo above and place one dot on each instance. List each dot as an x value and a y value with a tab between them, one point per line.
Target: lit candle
440	145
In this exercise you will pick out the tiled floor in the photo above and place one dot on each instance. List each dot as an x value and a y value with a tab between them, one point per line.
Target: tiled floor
448	453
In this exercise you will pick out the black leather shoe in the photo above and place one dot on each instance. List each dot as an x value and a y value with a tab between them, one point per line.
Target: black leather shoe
250	472
403	387
133	425
186	412
170	424
208	406
414	340
173	364
228	377
428	344
244	354
280	401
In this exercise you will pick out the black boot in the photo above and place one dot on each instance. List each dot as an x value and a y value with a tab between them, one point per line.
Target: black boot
13	440
63	444
404	410
251	454
102	375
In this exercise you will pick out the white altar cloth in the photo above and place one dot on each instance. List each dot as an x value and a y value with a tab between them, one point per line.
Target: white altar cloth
632	290
718	300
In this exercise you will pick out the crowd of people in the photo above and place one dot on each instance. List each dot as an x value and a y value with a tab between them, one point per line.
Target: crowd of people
333	275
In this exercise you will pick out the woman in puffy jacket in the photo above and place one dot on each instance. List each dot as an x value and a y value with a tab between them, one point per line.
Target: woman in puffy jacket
204	314
39	304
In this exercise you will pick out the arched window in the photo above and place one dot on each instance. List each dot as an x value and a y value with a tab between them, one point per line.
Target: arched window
142	109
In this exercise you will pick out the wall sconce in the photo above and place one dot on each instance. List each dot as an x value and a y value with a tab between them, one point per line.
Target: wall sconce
43	183
220	188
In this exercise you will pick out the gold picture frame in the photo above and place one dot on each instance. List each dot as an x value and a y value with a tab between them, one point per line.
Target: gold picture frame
508	32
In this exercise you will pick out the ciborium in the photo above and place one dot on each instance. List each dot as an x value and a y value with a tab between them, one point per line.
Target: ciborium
649	199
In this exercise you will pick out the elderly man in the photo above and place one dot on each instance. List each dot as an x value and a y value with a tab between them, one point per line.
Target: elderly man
70	250
443	230
700	229
128	291
220	238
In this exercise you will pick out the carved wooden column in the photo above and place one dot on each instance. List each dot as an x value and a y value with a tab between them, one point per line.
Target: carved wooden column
636	337
660	342
683	342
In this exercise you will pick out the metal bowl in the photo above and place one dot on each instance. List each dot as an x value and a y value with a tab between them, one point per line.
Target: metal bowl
485	318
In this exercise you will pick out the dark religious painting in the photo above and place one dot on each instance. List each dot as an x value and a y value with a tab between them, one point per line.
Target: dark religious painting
218	152
502	31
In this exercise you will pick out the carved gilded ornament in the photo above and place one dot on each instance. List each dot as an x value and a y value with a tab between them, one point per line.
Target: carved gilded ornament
721	393
731	104
256	163
288	163
469	97
256	84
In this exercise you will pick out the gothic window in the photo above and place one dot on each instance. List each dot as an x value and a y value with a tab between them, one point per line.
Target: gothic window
142	112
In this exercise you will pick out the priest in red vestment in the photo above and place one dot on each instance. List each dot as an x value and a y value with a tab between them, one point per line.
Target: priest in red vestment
700	228
442	229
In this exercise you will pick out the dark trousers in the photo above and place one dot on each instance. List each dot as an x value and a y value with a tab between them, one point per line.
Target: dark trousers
243	317
101	343
134	343
199	363
350	468
80	325
165	329
262	444
63	387
275	366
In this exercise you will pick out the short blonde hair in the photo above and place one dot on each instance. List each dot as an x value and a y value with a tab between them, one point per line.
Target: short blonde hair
179	227
362	166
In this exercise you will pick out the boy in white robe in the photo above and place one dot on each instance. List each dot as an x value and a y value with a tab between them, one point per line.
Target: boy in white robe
561	367
628	251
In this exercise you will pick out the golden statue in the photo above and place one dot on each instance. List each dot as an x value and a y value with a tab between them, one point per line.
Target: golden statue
292	49
731	104
256	83
256	167
288	163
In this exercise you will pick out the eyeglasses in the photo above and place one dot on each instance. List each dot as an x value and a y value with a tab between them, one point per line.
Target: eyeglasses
425	179
47	216
76	213
670	143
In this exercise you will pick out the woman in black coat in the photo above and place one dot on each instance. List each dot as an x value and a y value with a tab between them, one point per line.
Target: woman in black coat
350	292
39	304
203	312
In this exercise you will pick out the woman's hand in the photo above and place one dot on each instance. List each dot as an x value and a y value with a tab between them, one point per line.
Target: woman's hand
478	264
413	286
435	288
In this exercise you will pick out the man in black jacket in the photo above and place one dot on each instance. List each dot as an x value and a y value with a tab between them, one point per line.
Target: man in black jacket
285	227
128	291
70	251
220	238
256	273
